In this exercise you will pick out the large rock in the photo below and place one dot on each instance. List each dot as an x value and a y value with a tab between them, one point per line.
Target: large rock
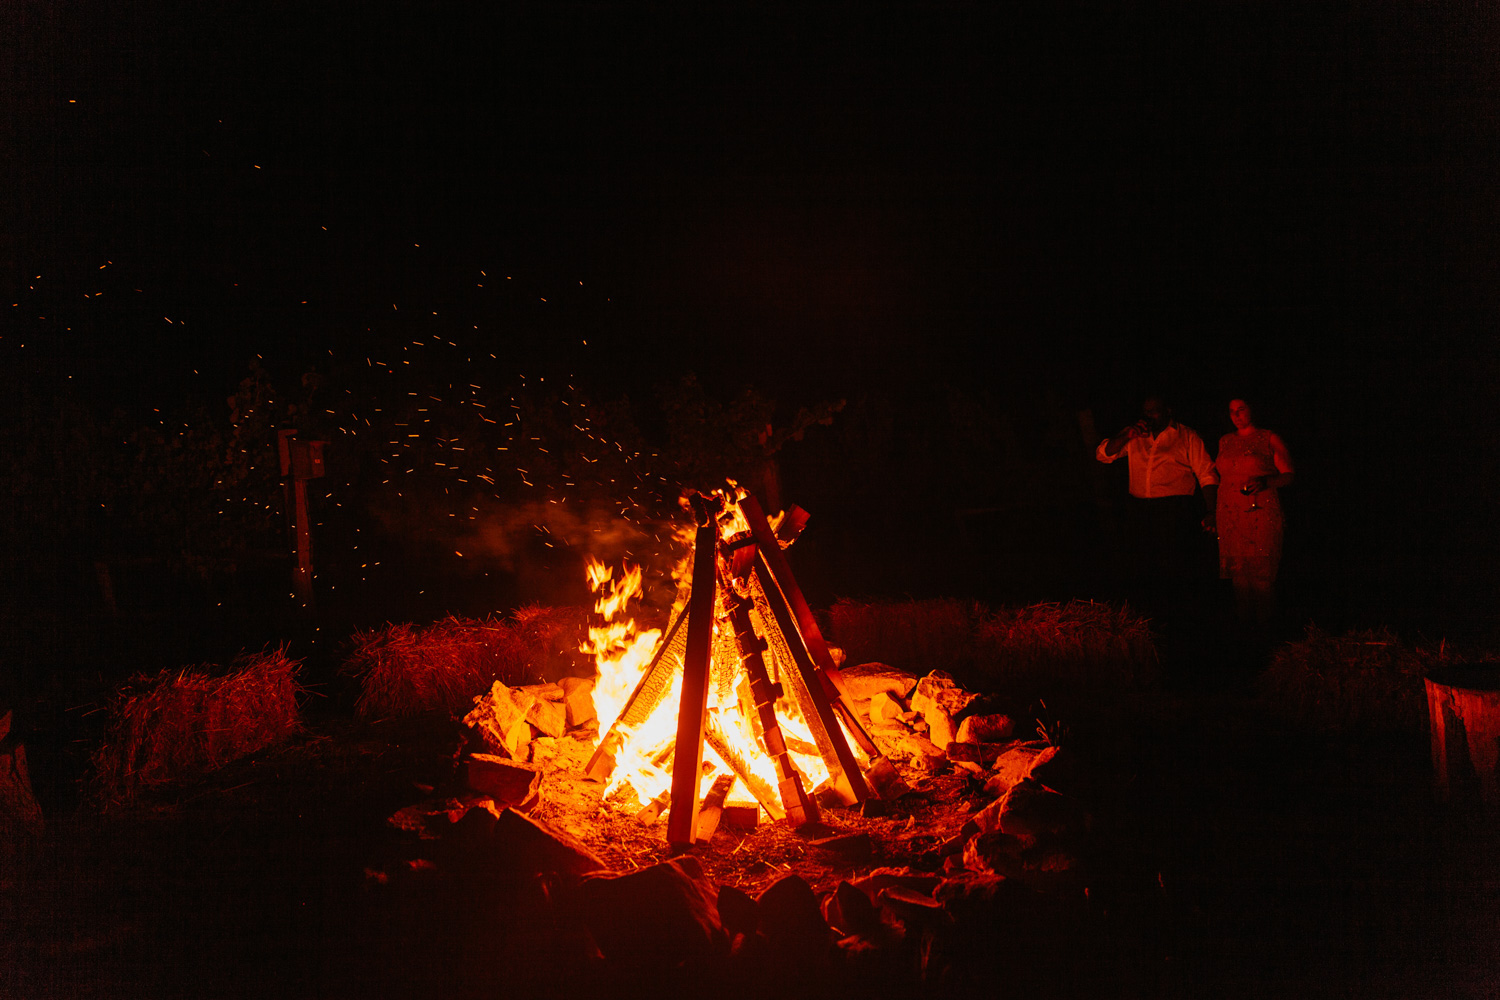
431	819
791	919
885	709
986	729
1030	809
530	846
1059	769
863	682
995	853
508	782
500	718
1010	767
938	698
656	917
578	702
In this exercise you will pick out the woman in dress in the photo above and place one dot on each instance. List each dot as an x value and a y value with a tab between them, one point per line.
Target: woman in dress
1253	465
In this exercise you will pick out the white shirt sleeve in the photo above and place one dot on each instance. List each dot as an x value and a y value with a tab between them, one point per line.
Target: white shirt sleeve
1102	456
1200	463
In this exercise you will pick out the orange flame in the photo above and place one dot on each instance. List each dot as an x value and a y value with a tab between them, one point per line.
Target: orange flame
622	654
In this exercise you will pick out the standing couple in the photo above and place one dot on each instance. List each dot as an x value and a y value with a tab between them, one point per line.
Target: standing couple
1168	462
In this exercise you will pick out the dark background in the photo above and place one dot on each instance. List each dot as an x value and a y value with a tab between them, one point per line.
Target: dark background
981	228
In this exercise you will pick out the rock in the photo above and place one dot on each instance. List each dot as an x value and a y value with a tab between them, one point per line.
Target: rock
886	878
853	848
500	718
1031	809
1059	769
431	818
911	906
550	718
939	724
737	911
885	709
863	682
940	689
1010	767
981	897
506	781
656	917
919	746
986	729
850	911
874	808
995	853
976	757
938	698
532	846
578	702
791	919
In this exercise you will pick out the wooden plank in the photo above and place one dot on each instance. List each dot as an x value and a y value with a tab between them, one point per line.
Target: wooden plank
713	807
776	576
800	807
682	822
777	582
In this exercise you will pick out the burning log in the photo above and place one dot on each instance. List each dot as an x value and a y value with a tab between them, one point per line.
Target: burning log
648	694
764	793
696	661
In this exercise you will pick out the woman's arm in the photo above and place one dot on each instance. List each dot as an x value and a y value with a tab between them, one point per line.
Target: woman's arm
1285	472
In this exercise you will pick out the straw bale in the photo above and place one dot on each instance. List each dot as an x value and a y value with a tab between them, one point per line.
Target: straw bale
181	724
1014	650
1361	680
406	669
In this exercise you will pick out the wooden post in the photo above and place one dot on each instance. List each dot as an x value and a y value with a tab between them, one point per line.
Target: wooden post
682	822
300	461
795	619
799	806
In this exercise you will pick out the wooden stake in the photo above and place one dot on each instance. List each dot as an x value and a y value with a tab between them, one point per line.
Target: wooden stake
682	822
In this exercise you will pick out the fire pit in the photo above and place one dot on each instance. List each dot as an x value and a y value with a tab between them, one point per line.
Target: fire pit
883	801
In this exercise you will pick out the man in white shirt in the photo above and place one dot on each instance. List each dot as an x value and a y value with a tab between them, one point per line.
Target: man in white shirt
1168	464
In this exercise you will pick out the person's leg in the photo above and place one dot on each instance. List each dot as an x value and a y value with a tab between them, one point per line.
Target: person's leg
1244	601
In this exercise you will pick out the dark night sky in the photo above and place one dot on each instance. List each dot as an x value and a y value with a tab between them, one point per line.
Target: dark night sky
1291	201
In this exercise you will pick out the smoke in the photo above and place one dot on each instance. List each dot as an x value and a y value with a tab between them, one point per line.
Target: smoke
541	543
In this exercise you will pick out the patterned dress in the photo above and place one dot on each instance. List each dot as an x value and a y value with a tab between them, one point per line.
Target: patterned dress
1249	526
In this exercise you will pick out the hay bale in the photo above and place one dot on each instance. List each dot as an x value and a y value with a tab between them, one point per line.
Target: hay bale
1019	651
1361	680
406	669
177	725
915	636
1080	645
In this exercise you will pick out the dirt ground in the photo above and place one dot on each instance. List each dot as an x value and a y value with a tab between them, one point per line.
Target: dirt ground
1231	857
